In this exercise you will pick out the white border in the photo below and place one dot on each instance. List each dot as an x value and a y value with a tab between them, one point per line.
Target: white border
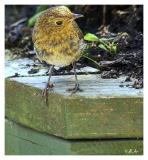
2	78
74	2
33	2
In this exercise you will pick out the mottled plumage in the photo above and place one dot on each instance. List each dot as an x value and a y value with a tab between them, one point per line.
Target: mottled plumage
55	43
58	40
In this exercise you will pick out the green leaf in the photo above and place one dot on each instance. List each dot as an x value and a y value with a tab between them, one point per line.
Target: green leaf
33	19
91	37
103	47
114	49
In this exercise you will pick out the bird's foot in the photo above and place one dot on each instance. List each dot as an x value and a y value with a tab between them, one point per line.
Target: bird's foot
75	89
45	91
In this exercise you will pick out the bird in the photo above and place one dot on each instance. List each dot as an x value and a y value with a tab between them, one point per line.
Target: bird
58	41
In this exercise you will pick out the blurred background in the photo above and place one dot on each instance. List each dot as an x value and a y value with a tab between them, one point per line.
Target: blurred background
119	17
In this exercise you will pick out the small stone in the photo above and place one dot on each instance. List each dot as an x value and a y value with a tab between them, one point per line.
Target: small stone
137	85
128	79
114	76
16	75
121	85
105	74
33	71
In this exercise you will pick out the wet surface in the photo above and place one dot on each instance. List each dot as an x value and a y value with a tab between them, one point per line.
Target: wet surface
93	85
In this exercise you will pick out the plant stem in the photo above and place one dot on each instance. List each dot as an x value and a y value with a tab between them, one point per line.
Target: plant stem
91	59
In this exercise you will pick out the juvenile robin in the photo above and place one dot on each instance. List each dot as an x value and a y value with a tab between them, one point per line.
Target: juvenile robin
58	41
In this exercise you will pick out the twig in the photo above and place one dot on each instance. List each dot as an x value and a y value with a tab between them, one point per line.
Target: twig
18	22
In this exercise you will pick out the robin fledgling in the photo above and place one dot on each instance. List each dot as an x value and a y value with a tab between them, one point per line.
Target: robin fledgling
58	40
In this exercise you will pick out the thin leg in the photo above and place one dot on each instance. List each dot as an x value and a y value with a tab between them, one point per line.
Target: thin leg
76	88
48	85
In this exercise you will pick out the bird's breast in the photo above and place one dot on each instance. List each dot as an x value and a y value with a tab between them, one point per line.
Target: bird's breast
59	49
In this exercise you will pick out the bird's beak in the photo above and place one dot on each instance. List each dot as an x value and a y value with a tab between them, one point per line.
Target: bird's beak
77	15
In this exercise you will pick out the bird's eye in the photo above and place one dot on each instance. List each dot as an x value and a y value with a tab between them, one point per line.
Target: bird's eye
59	23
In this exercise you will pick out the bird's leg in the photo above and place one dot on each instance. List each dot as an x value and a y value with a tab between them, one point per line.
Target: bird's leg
76	88
48	85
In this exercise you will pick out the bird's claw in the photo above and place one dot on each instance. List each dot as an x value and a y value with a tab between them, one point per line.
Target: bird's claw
45	91
75	89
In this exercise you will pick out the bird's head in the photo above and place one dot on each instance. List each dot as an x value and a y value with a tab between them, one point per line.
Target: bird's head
57	18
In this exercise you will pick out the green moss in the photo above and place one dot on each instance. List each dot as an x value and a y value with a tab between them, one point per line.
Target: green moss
20	140
74	118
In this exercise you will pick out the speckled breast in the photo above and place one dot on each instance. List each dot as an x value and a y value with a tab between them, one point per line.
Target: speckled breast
59	53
